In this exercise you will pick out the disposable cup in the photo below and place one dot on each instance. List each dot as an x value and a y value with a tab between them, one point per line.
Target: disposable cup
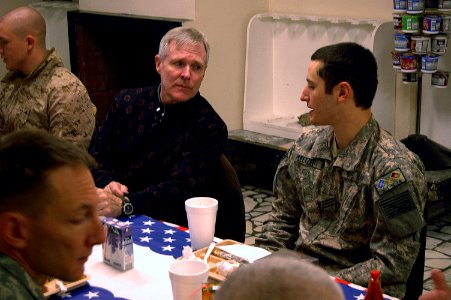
187	277
201	214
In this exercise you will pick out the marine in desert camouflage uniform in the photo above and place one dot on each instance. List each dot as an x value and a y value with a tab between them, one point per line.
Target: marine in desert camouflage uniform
39	92
355	208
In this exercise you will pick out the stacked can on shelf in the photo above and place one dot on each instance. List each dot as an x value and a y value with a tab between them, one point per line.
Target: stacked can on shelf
420	38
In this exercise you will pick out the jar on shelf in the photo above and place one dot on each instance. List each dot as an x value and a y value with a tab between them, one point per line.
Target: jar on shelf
419	44
397	22
429	63
409	78
431	24
396	60
445	24
439	44
409	62
431	4
411	23
402	42
444	4
440	79
399	6
415	6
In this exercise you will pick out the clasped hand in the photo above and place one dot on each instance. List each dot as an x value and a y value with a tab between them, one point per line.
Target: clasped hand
109	199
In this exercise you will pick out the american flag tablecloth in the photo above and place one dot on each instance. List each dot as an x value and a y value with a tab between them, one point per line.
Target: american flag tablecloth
156	245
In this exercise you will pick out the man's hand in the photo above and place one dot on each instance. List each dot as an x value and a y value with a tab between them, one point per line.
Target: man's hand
441	290
109	199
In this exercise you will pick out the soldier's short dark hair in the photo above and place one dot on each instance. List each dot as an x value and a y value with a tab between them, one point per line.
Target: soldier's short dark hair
26	158
352	63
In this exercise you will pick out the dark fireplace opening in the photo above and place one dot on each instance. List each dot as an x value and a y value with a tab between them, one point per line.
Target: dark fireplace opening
112	52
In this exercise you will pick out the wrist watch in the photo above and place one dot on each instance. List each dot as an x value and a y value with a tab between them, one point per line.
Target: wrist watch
127	207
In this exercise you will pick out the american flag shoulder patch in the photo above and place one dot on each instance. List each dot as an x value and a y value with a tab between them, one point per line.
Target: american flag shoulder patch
400	212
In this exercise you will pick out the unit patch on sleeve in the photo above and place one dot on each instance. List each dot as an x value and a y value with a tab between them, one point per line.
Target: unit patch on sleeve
389	181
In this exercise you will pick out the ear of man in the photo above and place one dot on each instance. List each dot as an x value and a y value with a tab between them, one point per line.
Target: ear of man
344	89
31	41
343	92
14	229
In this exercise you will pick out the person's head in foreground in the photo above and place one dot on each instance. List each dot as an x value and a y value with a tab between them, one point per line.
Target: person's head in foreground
48	218
341	82
279	276
181	62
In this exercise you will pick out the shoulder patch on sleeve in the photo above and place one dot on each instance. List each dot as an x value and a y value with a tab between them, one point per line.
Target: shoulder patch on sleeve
400	212
389	181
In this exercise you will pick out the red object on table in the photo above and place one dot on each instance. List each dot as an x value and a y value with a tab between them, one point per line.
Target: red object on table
374	291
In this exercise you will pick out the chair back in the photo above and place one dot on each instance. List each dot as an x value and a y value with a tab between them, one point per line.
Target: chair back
231	213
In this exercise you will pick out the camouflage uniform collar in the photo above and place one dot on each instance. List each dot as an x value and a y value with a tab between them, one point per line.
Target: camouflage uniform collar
15	270
52	59
350	156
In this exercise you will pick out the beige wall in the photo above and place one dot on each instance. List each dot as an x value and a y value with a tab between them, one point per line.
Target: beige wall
368	9
225	24
405	114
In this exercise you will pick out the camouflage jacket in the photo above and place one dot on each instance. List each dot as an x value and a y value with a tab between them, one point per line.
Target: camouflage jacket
15	283
359	211
50	98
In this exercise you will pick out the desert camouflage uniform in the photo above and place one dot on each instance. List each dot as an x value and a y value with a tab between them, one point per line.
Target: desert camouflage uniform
15	283
362	210
50	98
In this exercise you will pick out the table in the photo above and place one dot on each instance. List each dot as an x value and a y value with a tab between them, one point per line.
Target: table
156	245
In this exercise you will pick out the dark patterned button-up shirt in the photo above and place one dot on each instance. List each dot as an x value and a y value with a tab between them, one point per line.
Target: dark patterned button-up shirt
164	154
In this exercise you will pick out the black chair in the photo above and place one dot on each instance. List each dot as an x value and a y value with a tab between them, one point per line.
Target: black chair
230	221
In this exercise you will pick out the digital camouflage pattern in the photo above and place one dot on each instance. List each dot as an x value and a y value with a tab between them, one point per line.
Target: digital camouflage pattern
50	98
15	283
359	211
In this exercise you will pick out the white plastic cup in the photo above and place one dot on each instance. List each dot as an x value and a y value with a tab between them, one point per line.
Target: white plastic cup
201	214
187	277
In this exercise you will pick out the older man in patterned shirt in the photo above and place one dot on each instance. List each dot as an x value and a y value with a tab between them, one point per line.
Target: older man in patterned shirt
39	92
347	192
161	145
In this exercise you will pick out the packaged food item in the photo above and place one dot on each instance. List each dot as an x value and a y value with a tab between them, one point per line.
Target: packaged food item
118	245
439	79
226	267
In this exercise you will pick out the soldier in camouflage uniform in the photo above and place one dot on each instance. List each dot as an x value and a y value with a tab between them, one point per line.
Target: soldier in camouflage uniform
39	92
48	212
347	192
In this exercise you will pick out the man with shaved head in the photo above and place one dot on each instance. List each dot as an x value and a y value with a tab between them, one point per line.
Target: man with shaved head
38	92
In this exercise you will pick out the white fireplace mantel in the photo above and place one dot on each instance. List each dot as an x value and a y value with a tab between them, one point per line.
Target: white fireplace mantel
161	9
